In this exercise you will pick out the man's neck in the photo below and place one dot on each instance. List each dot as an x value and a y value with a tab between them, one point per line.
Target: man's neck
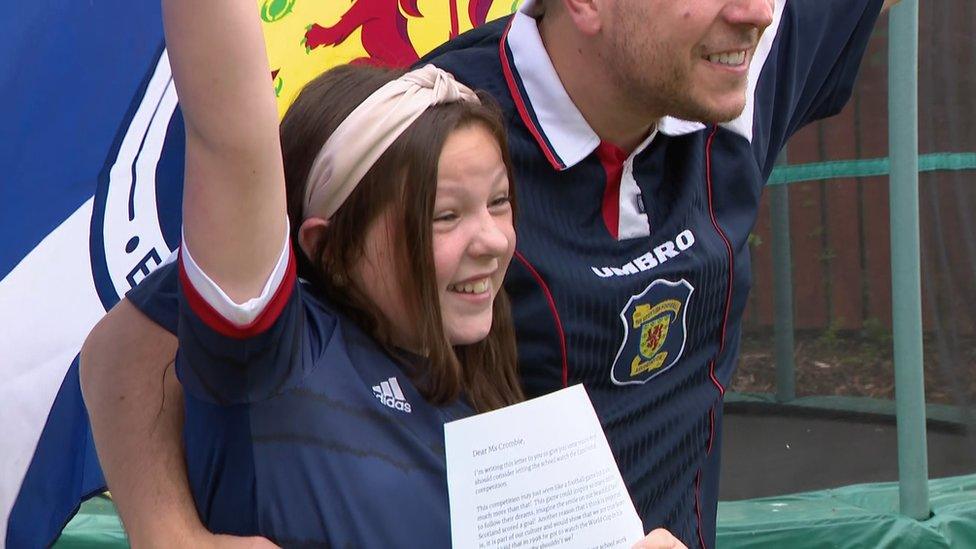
605	108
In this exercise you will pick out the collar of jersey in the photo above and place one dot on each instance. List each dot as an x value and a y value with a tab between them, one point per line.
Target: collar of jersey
546	109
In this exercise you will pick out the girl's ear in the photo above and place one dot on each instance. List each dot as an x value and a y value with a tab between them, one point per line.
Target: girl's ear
310	233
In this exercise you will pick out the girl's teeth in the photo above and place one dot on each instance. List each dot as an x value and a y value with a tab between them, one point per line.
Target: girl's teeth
471	287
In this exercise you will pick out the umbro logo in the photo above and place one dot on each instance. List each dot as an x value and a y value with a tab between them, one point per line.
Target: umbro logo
653	258
388	392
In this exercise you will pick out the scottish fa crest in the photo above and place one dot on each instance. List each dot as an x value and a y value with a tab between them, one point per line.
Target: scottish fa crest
135	223
654	332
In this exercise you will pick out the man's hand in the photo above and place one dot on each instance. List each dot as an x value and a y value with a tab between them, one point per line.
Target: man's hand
660	539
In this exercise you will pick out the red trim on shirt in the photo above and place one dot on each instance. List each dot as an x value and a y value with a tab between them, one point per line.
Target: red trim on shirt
520	103
612	158
701	537
725	321
224	327
711	411
711	374
711	429
728	293
725	239
555	313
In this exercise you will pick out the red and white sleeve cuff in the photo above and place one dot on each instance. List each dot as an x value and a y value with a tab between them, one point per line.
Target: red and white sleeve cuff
239	315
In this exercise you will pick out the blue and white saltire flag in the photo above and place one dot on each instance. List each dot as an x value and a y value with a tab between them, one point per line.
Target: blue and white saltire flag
88	206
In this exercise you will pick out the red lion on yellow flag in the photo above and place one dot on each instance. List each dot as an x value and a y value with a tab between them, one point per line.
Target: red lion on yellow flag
384	31
384	28
307	37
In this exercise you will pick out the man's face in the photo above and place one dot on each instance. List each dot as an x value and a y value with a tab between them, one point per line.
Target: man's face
688	57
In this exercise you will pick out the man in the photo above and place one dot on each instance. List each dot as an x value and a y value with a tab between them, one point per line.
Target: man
642	132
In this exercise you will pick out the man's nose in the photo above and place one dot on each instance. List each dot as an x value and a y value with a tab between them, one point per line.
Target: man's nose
755	13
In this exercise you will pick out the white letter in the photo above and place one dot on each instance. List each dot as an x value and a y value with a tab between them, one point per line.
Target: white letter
665	251
645	262
626	270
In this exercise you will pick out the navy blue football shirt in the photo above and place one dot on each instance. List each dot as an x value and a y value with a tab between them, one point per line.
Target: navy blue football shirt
632	270
299	427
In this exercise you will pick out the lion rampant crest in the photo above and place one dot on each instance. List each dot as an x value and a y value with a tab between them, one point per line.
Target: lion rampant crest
654	332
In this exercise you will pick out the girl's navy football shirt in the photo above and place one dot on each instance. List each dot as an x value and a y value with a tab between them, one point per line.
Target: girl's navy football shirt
300	428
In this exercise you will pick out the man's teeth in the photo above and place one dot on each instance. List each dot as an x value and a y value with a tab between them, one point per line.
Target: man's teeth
478	287
732	59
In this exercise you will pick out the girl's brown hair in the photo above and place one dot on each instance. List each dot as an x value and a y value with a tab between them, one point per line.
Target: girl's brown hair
405	179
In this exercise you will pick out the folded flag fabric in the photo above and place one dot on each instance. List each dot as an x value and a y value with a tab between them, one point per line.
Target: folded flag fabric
73	76
90	185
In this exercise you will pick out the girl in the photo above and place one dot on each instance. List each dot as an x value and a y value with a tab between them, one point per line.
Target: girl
315	409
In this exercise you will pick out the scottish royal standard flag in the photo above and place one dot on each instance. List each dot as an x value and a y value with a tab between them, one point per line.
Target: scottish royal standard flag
91	156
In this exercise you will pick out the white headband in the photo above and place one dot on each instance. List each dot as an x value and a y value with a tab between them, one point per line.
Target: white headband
370	129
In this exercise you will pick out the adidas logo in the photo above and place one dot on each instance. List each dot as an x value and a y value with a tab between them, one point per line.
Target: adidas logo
389	393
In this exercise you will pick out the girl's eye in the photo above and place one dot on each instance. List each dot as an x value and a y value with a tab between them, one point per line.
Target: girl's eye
445	217
500	201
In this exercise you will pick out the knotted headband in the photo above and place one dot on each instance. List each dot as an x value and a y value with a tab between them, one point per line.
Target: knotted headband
370	129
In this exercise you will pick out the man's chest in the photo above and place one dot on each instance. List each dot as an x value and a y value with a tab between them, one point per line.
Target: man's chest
624	311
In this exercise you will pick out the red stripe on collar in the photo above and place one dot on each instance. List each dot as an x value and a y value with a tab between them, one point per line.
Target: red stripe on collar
520	103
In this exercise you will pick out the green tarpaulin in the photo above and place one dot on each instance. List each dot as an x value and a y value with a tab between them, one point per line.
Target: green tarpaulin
863	516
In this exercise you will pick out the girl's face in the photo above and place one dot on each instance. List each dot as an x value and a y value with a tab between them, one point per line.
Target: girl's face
473	240
473	235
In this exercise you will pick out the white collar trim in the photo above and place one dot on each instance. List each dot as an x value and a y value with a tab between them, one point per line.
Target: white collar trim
563	125
567	131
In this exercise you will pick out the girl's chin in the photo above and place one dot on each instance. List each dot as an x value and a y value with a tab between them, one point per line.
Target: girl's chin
467	335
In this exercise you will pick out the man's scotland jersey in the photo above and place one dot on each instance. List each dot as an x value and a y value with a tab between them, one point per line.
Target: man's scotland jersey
298	426
632	271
